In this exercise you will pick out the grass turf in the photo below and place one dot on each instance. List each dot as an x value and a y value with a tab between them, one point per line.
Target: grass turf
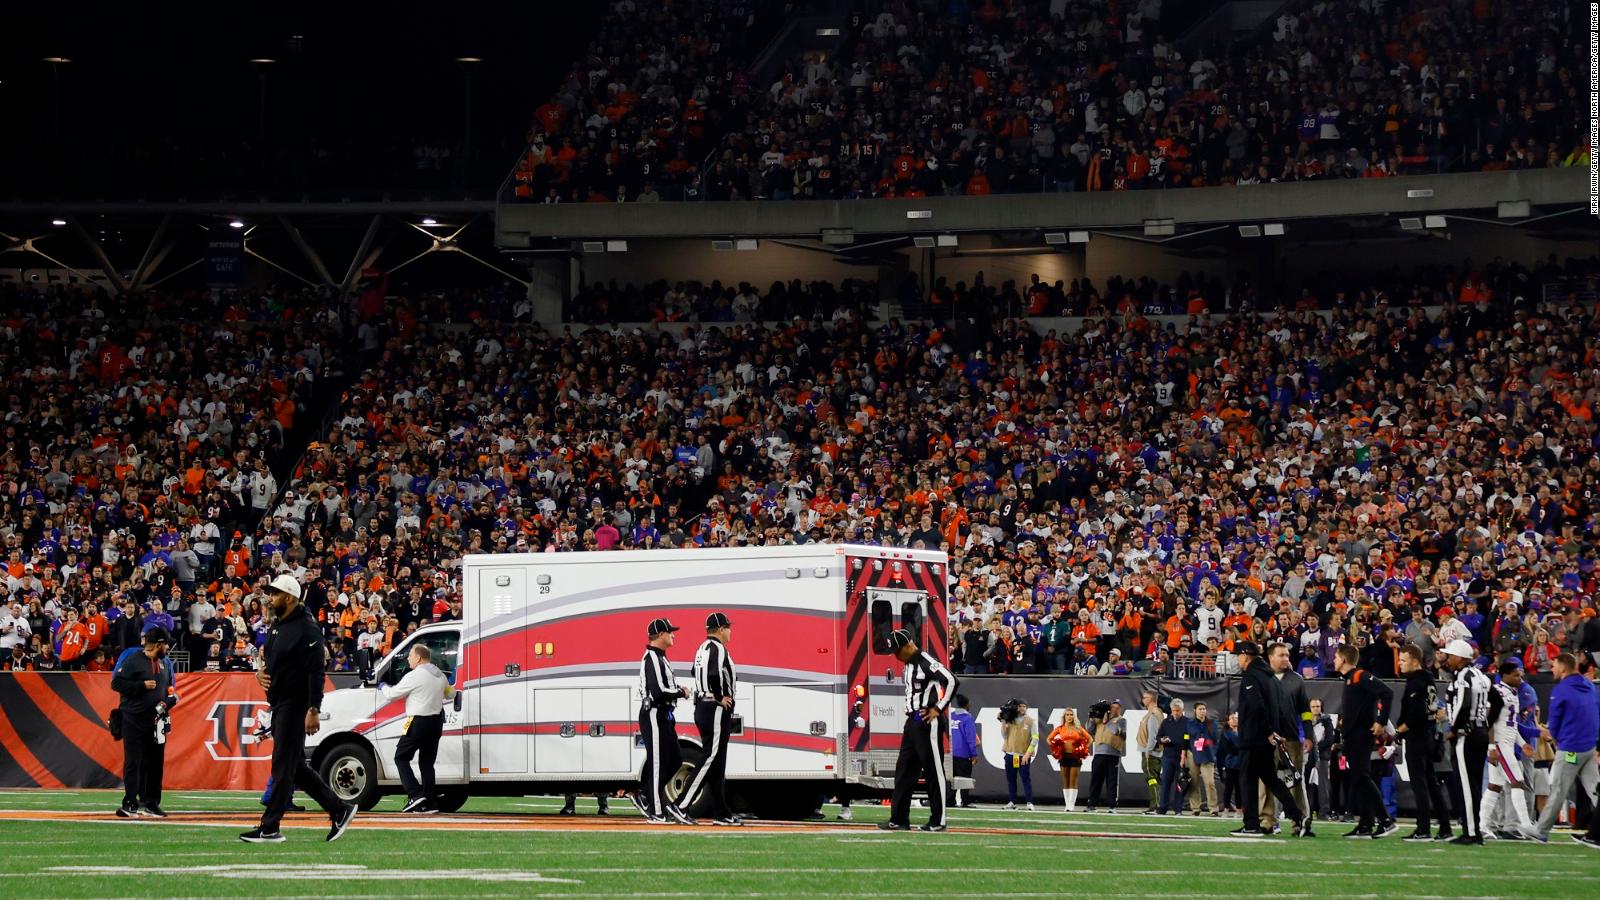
1018	854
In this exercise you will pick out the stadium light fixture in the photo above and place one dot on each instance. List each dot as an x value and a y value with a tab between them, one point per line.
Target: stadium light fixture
1055	238
746	244
429	222
58	222
721	246
263	60
469	59
1160	227
236	223
1434	221
58	60
947	240
828	32
1419	193
923	241
1272	229
616	246
1512	209
1410	223
1249	231
594	246
1078	237
919	213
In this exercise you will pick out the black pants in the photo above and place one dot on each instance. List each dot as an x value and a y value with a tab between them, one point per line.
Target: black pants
1366	801
1103	780
960	767
921	756
661	758
422	741
290	769
1231	789
1471	752
1425	784
143	762
710	780
1261	767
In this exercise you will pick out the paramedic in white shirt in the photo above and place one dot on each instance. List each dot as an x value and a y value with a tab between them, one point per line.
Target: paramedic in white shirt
424	689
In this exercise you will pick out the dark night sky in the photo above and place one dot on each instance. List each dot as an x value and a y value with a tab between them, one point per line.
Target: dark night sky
147	72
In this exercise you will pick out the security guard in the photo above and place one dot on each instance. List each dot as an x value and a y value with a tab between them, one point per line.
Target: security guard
658	694
714	682
145	682
425	689
929	689
293	679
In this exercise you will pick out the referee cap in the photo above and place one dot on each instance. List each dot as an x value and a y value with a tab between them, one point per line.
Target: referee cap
1460	648
660	626
899	638
717	620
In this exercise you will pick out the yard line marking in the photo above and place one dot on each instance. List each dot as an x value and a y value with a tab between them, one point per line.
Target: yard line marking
329	872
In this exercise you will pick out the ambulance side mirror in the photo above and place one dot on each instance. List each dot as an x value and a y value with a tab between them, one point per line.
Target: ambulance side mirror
457	701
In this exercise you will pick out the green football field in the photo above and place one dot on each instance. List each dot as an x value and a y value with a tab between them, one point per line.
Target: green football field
52	844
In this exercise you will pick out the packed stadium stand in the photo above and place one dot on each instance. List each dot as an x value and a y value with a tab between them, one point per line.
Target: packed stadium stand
978	97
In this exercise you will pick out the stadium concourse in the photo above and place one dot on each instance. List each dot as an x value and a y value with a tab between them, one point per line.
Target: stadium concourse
939	97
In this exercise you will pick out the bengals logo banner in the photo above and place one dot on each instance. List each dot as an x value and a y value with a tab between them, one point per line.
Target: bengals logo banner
53	732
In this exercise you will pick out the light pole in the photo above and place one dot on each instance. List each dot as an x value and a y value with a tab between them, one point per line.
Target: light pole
261	65
467	63
56	62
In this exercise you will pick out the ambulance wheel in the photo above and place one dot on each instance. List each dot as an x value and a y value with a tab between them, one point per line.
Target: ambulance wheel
353	774
693	756
451	799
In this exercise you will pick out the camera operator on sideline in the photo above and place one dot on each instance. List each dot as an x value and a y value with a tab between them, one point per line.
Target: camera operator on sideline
1110	732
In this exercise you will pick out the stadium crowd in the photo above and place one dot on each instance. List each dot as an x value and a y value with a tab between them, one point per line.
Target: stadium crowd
1132	495
941	97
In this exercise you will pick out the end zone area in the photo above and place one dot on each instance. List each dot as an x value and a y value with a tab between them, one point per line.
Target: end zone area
69	844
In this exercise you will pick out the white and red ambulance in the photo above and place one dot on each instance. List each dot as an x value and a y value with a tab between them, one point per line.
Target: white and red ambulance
546	662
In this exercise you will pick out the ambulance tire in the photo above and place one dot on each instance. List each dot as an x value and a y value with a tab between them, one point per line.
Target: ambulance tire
352	771
451	799
693	756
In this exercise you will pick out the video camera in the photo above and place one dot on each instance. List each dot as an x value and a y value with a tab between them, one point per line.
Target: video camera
1100	711
1011	710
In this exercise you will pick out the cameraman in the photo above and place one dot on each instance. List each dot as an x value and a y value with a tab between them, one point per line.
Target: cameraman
145	682
1020	741
1110	732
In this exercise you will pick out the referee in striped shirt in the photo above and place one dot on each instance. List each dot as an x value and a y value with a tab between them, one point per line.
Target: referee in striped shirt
714	681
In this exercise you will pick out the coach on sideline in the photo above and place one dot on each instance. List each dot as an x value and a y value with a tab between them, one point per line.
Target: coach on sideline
145	683
293	681
1261	705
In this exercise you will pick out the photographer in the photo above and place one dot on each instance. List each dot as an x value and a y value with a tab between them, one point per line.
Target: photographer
1110	732
144	680
1020	741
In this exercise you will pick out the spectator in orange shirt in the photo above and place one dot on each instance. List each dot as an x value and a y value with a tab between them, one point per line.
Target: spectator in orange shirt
74	639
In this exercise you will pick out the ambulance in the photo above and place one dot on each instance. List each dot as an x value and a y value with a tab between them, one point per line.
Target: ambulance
546	665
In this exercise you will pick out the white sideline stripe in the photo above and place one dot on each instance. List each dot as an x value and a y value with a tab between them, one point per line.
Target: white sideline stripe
315	873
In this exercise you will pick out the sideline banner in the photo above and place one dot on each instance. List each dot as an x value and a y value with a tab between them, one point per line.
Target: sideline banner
53	732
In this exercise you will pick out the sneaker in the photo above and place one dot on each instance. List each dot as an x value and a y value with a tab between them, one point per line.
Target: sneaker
127	812
1467	840
1248	832
1360	833
153	811
1030	807
1304	829
1009	806
1088	809
294	807
679	816
341	822
638	803
1385	829
1508	835
1417	837
654	819
932	827
1587	841
258	836
730	820
893	826
815	815
568	810
602	808
1151	812
1533	834
417	803
845	815
1277	828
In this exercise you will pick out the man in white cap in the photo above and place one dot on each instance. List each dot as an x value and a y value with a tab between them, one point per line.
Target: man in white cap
1468	735
292	676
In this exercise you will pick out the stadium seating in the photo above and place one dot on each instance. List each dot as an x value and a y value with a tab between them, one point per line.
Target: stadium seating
1008	96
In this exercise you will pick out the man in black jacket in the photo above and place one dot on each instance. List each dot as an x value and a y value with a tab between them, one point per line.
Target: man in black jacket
1364	709
1294	725
292	677
145	682
1417	708
125	631
1261	704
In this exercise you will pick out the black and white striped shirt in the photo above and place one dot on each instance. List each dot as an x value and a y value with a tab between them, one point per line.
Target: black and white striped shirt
927	684
657	687
714	675
1469	699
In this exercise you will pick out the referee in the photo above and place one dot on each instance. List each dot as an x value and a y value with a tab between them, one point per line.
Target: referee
1468	735
714	681
293	679
658	694
929	689
425	689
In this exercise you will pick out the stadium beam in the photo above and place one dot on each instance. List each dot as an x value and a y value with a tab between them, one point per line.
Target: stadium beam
518	225
152	257
99	253
307	250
